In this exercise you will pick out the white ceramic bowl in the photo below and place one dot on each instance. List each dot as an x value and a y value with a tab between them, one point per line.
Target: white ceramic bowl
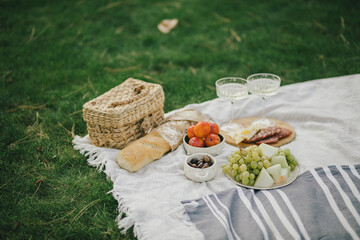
198	174
214	150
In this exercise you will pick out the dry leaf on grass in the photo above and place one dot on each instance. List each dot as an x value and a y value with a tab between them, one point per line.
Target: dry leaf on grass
167	24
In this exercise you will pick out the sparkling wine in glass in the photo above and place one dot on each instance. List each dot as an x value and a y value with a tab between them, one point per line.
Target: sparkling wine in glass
231	88
264	85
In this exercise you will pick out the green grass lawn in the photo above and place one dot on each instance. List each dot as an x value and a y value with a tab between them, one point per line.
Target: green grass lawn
57	55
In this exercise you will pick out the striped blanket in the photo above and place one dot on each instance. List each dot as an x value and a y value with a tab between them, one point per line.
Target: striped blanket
322	203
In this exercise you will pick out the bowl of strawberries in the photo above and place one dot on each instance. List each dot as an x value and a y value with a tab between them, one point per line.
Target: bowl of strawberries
204	137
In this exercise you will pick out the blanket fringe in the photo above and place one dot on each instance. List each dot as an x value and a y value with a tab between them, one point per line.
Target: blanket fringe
94	158
124	223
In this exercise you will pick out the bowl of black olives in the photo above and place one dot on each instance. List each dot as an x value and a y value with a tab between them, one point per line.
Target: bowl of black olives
200	167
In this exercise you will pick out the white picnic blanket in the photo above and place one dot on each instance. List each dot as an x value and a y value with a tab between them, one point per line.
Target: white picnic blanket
324	113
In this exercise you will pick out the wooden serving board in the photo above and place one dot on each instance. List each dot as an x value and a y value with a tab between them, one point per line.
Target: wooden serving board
247	121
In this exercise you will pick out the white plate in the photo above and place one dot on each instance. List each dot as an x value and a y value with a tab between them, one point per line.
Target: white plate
289	180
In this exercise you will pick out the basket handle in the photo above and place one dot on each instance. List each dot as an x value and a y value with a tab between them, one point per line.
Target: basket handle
145	125
137	93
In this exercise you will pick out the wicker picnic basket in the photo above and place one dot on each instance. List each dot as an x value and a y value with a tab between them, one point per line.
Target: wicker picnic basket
124	113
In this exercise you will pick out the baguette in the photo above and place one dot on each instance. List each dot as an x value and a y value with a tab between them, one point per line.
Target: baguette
143	151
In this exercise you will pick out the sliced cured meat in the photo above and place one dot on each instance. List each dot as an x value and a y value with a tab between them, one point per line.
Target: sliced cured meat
284	133
268	140
270	135
264	133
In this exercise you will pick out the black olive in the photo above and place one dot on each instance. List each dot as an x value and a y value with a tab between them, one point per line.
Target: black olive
194	160
207	158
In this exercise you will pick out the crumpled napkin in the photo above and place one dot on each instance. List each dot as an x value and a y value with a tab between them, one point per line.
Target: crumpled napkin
176	124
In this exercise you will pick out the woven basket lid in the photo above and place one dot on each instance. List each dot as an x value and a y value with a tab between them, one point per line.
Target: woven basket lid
124	104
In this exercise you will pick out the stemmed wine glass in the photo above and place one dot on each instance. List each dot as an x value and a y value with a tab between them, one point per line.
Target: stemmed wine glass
232	88
264	85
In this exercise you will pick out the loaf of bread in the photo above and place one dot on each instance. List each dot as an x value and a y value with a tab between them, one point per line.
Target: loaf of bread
143	151
168	136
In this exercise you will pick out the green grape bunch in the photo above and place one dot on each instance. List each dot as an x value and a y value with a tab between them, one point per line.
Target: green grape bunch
245	164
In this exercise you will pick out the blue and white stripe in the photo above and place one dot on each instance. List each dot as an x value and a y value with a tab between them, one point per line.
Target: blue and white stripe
334	205
253	214
230	232
295	215
321	203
